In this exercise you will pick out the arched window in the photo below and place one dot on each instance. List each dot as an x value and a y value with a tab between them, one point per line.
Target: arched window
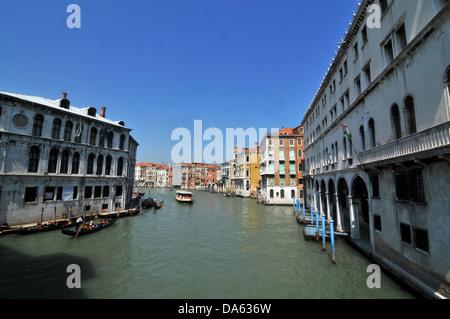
372	139
68	131
78	132
93	136
52	160
292	193
120	166
64	162
37	125
362	137
75	163
90	164
122	142
336	152
56	129
410	116
108	165
395	122
100	165
33	159
110	139
271	193
282	193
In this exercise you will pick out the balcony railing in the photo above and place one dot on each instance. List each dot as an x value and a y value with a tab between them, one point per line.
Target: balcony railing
427	140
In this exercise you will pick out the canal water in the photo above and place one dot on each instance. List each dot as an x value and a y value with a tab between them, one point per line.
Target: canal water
217	248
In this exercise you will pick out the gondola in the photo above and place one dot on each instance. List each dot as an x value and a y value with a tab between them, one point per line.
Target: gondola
45	227
88	229
158	205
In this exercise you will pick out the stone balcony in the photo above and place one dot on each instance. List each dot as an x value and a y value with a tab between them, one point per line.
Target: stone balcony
431	142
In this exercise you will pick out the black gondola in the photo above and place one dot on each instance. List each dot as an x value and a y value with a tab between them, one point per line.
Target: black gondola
158	204
89	228
45	227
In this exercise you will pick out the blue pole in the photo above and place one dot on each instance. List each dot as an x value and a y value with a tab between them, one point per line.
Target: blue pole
304	211
333	257
294	204
323	232
317	225
312	215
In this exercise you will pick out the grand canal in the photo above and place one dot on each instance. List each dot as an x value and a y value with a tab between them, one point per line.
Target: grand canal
216	248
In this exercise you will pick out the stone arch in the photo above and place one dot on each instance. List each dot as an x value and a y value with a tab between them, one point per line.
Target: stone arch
342	191
361	206
332	199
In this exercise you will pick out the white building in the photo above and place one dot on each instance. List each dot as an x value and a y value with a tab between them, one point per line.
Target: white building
386	179
56	159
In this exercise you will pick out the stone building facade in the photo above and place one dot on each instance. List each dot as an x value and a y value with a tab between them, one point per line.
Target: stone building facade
57	159
377	139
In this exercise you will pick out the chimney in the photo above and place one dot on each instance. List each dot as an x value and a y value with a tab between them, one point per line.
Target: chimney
103	111
64	96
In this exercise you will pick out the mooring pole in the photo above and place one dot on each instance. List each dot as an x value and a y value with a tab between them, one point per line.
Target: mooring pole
304	211
323	232
317	225
312	215
333	256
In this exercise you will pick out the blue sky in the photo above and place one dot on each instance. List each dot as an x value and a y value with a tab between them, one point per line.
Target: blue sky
159	65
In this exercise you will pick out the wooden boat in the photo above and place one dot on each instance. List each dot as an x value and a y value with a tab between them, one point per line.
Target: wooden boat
45	227
87	229
159	204
148	203
184	197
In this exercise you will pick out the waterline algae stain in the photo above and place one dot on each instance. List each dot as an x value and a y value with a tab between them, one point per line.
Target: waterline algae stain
218	248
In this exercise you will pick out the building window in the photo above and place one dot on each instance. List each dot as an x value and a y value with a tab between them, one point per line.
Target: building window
120	166
372	138
52	161
68	131
375	185
362	138
367	75
292	193
383	6
110	139
271	193
56	129
377	222
100	165
410	116
93	136
388	52
30	194
401	40
33	159
421	239
97	191
409	185
37	125
122	142
358	86
364	35
64	162
105	191
405	233
108	165
88	192
119	190
90	164
282	193
75	163
78	133
395	122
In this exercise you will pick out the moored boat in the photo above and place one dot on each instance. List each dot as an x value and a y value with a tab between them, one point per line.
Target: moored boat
45	227
184	197
88	228
159	204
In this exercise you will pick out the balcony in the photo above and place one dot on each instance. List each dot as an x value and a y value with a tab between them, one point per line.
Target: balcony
434	141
